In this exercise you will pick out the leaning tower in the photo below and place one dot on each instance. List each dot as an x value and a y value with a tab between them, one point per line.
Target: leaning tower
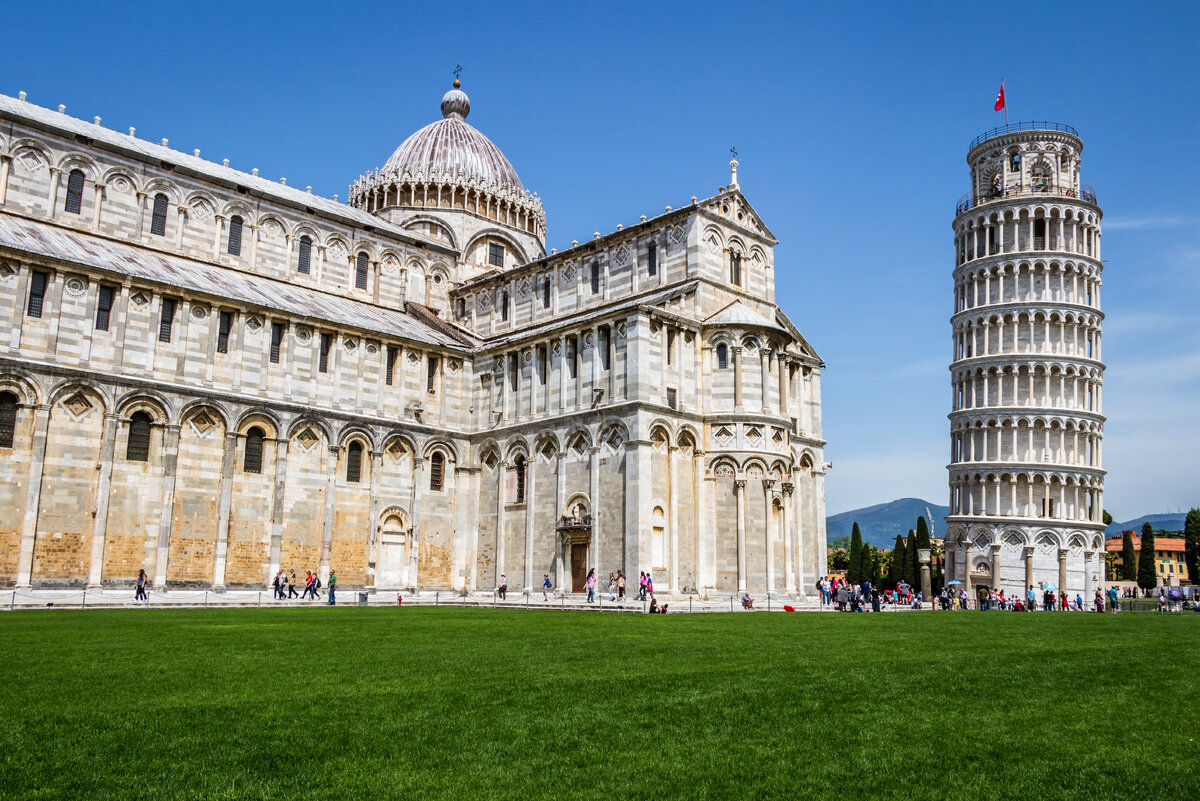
1026	420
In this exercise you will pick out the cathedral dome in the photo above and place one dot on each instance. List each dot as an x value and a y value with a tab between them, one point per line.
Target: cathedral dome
451	146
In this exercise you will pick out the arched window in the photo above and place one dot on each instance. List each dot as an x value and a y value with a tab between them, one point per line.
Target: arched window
652	259
75	192
158	222
504	305
519	467
252	463
360	271
437	471
8	419
305	259
735	268
722	357
235	235
546	293
354	462
138	449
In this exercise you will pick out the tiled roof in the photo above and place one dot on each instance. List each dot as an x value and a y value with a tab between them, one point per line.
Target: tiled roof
1173	544
739	314
219	282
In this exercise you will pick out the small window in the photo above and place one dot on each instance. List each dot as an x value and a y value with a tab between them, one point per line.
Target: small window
437	471
495	254
504	305
722	357
74	192
224	324
158	221
323	356
104	302
304	260
138	448
670	346
460	308
252	463
671	397
652	259
431	368
546	293
595	278
390	369
514	375
166	320
735	269
360	271
8	419
519	467
37	292
354	455
235	235
603	338
542	365
573	356
277	330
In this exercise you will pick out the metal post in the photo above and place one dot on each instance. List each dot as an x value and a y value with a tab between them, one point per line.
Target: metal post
83	603
730	603
206	599
13	604
689	603
260	597
768	602
436	597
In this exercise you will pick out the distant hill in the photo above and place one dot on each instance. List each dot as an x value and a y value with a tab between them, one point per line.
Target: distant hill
1167	522
881	523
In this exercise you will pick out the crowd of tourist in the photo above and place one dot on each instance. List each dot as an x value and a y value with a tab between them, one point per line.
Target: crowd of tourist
284	584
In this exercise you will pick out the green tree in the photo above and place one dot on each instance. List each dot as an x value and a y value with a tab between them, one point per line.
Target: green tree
1147	578
1107	518
866	569
854	567
1128	557
1191	545
895	562
921	541
842	543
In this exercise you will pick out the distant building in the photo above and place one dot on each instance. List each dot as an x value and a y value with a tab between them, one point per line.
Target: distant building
1168	556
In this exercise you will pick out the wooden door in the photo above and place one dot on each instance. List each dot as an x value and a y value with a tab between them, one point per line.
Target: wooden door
578	568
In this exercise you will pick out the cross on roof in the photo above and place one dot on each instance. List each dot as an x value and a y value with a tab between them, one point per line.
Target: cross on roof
733	152
457	71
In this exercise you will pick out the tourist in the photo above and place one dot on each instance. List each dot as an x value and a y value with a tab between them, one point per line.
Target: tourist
747	601
1078	602
842	597
1031	599
591	585
621	586
612	586
275	586
292	585
642	586
944	598
501	588
140	593
332	587
316	593
649	584
654	606
875	600
545	586
308	585
1098	601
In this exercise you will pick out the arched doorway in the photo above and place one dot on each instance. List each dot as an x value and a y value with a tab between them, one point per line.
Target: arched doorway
575	529
394	533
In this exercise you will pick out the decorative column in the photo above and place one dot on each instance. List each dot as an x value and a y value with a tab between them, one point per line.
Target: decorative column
789	551
170	462
926	580
765	354
33	494
1062	570
783	385
560	507
530	505
5	166
672	501
281	449
736	352
597	515
966	579
501	474
1088	590
739	494
418	530
103	485
327	527
373	524
768	515
1028	567
996	550
228	460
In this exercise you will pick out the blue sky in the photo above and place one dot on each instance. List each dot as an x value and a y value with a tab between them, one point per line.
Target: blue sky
851	123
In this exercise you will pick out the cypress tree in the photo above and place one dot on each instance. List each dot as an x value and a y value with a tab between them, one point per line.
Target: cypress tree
1128	557
1191	545
1146	577
866	569
854	570
912	573
876	567
922	542
893	574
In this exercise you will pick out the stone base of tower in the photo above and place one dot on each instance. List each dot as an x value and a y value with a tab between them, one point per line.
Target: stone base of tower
1012	554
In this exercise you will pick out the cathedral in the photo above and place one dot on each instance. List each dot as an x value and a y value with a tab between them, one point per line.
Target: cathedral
211	376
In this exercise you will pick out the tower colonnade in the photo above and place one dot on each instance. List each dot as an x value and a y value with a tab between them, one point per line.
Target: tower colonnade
1026	474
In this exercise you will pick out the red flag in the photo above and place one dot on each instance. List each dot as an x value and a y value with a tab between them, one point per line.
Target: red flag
1000	98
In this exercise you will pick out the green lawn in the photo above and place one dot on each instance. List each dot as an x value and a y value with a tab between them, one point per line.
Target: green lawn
353	703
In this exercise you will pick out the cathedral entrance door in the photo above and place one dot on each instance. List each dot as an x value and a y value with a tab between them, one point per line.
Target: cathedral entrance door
390	571
578	568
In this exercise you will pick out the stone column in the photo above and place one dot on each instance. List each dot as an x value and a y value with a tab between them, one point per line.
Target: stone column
791	553
170	462
5	166
418	531
373	524
1062	570
768	516
966	579
560	505
783	385
1028	569
673	502
996	551
765	354
736	353
597	514
739	494
224	504
33	494
501	474
530	506
103	485
327	528
1088	589
276	546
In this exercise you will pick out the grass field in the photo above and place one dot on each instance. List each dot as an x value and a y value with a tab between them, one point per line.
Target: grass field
352	703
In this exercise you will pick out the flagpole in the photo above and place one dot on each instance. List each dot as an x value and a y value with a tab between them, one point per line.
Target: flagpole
1005	102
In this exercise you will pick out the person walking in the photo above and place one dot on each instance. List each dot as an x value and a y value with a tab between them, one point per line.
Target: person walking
649	586
545	586
332	587
292	585
612	587
1031	598
591	585
316	593
140	593
275	586
642	586
502	587
1114	600
620	586
308	585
